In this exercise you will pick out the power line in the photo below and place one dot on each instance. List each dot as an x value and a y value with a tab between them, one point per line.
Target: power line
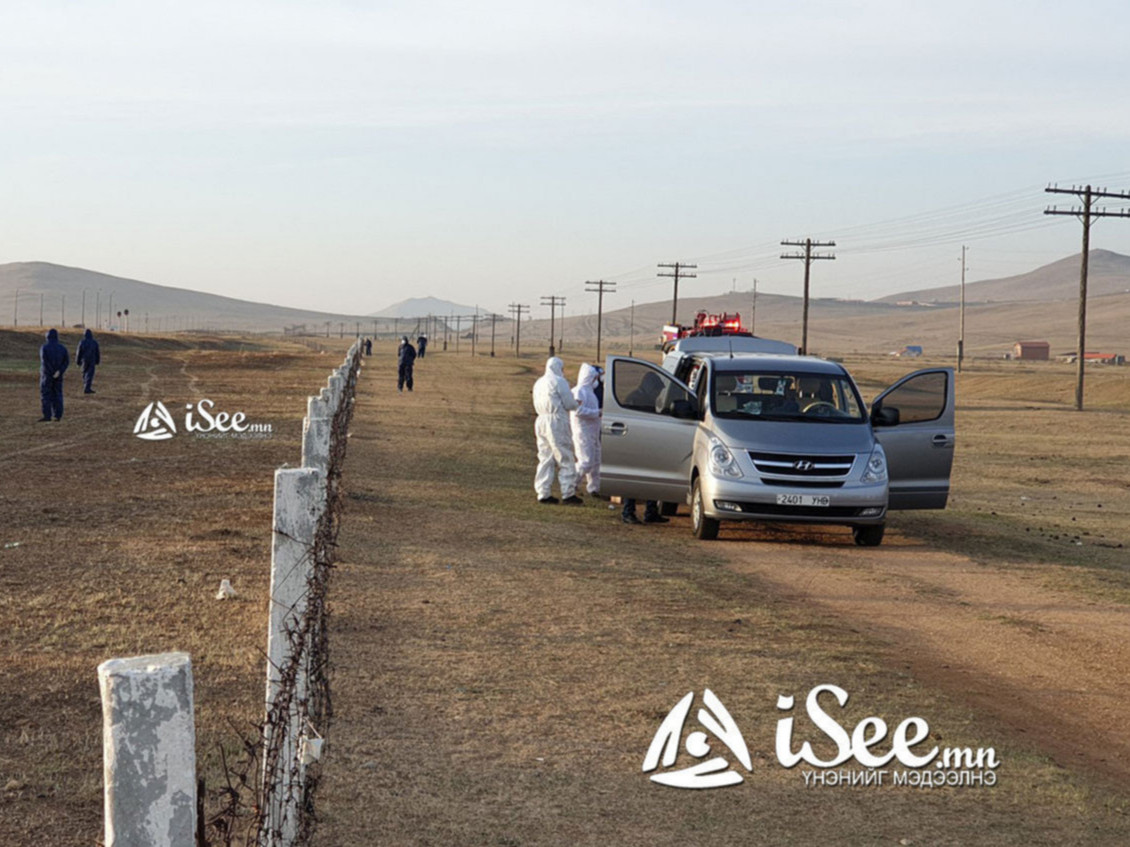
1086	212
517	310
553	301
600	287
809	257
678	269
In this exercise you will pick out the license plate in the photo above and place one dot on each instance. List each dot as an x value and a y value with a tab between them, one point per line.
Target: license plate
803	500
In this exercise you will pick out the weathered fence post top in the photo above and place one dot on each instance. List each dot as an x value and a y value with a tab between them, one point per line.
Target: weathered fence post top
149	751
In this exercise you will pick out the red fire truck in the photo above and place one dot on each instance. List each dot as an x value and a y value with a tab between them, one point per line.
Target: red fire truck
727	323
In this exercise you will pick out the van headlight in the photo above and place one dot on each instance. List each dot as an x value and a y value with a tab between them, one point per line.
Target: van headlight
876	470
722	462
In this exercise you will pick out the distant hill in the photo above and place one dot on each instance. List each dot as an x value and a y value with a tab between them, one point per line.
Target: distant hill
415	307
1107	273
845	326
161	306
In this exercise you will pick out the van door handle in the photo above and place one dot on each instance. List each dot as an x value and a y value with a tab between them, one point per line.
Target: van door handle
616	428
942	440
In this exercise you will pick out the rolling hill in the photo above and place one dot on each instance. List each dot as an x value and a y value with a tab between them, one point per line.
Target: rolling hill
1107	273
159	307
414	307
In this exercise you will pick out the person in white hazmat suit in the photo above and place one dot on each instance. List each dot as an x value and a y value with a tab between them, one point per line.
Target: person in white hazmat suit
553	401
586	429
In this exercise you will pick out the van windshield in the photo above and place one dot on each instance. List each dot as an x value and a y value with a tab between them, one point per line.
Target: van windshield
823	398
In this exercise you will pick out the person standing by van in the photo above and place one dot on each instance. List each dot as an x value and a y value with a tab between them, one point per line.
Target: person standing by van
553	401
586	429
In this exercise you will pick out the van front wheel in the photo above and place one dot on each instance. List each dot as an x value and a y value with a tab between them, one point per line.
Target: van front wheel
704	528
868	536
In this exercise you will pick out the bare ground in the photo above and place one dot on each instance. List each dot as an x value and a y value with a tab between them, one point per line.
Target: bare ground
117	549
502	666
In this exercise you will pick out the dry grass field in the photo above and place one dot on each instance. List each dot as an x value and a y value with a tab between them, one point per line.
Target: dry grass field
508	663
501	667
122	544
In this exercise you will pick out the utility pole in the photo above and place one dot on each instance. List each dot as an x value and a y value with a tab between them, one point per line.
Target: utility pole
553	301
678	272
1088	196
493	317
632	341
474	329
561	337
809	257
753	313
600	287
961	313
446	331
517	309
458	327
110	311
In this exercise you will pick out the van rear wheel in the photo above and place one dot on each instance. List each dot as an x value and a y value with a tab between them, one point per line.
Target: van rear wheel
868	536
704	528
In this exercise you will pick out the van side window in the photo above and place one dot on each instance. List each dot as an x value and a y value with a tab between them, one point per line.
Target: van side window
643	388
921	398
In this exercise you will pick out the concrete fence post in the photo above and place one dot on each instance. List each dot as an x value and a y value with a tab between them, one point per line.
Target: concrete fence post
316	432
337	389
149	751
300	500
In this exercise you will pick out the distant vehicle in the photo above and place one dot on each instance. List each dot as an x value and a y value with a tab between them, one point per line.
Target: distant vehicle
775	438
705	324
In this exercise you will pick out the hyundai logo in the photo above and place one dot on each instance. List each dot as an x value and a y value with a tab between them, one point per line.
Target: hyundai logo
803	465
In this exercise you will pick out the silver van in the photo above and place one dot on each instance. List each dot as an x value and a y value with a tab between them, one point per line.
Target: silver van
775	438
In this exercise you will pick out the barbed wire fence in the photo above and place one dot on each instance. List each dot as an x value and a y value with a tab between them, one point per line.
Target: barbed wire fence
152	794
269	798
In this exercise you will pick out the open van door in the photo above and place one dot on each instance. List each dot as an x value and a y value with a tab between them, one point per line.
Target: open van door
646	433
914	421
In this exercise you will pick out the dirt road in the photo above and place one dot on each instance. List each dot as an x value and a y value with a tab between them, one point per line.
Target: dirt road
1045	662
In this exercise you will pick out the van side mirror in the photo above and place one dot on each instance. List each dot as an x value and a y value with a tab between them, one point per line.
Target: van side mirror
684	409
884	416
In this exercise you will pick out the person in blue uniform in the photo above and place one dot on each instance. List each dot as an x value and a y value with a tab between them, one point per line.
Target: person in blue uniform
405	359
88	357
53	362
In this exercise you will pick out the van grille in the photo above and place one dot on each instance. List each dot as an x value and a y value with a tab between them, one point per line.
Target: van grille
803	483
787	464
802	511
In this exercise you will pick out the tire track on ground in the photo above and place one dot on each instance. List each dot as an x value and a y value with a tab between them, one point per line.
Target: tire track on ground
1049	664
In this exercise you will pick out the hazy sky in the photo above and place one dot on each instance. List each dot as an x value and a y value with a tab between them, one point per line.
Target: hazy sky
490	152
